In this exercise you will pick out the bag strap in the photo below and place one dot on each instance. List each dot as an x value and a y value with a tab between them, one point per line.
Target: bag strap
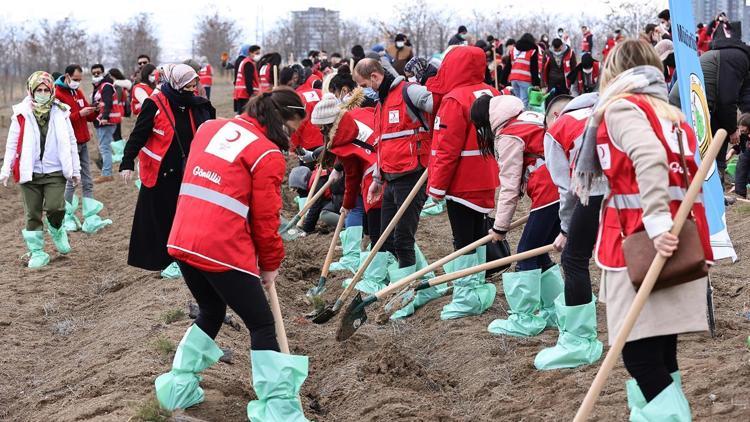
683	163
413	108
174	129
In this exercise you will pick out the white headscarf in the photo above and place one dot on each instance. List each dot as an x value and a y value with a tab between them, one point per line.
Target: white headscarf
178	75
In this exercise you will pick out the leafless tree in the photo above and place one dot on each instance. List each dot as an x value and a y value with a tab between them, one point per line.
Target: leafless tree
132	38
214	35
64	41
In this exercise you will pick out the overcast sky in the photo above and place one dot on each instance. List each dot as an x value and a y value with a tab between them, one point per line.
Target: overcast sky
176	19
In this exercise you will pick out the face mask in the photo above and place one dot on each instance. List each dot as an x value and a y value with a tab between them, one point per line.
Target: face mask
588	70
560	34
97	79
399	44
42	98
152	78
744	137
74	84
462	36
256	58
412	79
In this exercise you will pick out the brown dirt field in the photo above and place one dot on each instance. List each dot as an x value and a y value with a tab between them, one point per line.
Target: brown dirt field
79	341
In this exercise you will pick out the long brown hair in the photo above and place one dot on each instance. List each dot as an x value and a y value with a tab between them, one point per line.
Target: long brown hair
273	109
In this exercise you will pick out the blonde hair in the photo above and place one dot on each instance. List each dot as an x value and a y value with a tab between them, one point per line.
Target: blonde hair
627	55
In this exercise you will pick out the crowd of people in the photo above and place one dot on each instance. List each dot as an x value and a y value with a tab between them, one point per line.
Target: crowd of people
588	137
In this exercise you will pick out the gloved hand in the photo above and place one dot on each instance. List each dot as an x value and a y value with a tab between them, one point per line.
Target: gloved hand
306	156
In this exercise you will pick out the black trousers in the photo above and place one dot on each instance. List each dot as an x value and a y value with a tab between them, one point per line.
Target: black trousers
651	361
313	214
371	225
242	292
468	225
541	229
576	256
401	242
742	173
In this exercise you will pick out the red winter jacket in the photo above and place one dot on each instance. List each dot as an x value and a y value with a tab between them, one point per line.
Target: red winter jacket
76	100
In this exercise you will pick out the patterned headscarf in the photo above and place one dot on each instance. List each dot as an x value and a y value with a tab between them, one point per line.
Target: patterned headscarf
40	78
178	75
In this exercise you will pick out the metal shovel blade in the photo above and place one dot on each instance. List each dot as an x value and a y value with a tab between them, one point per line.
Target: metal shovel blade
353	318
325	315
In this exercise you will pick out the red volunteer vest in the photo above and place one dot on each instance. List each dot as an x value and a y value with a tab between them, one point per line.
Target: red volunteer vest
568	129
520	65
210	228
403	145
16	168
308	136
363	149
623	213
594	76
240	91
206	75
474	172
157	145
136	105
266	78
565	66
529	128
118	109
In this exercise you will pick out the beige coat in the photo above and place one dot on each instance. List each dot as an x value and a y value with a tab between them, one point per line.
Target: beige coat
674	310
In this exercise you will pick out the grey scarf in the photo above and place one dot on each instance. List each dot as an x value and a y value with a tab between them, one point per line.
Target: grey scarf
647	80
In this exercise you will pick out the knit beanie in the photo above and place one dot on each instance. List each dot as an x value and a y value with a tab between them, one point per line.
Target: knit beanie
326	110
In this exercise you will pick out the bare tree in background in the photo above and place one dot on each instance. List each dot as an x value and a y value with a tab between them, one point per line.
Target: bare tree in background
630	16
133	38
214	35
65	42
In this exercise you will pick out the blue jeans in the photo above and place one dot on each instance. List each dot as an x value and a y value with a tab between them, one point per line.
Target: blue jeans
105	136
87	184
356	215
541	230
521	90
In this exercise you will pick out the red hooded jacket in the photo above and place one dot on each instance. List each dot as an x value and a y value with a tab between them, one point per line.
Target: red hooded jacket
76	101
458	170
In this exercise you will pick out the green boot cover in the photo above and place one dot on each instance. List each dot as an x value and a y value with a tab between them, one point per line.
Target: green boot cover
552	285
300	202
471	295
376	275
277	380
118	147
421	262
351	238
178	388
670	405
35	242
577	344
137	183
635	396
522	293
71	223
171	272
59	238
92	223
432	208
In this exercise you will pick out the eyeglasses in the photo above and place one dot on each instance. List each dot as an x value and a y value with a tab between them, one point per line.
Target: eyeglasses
142	63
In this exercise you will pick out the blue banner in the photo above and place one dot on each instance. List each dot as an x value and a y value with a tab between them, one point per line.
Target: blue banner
695	105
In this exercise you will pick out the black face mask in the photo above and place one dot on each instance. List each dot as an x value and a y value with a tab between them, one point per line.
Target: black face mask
745	138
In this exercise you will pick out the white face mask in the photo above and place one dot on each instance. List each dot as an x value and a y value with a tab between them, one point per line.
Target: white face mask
152	78
412	79
587	71
256	58
399	44
74	84
97	79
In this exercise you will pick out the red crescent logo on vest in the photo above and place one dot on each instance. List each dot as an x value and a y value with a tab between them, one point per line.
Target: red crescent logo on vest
235	138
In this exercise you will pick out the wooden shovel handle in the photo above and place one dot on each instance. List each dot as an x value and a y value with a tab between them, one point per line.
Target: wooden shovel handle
278	321
275	76
332	247
437	264
310	201
649	281
313	191
383	237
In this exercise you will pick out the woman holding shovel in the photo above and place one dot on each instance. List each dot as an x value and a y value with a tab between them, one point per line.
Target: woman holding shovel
225	238
646	149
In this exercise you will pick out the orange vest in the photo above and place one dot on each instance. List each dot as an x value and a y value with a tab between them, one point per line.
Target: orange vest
240	91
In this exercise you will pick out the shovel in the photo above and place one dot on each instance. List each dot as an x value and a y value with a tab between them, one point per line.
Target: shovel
355	314
278	321
313	191
313	295
288	231
329	312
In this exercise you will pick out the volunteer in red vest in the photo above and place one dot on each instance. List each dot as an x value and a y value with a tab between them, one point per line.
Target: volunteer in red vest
144	88
41	156
587	42
246	80
161	141
226	239
110	112
403	125
517	139
206	76
307	138
68	91
350	139
266	67
585	77
462	174
561	60
576	309
523	69
122	89
637	139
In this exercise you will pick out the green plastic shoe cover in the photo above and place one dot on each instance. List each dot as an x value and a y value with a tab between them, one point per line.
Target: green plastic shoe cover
59	238
351	238
577	344
422	297
71	223
35	242
635	396
172	271
471	295
137	183
376	274
431	207
670	405
552	285
277	380
522	293
178	388
92	223
300	202
118	148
